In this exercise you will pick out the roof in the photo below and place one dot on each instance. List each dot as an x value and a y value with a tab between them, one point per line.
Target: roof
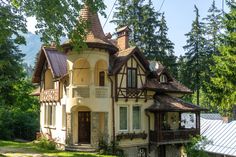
171	86
123	56
222	136
56	61
165	102
122	29
95	37
211	116
35	92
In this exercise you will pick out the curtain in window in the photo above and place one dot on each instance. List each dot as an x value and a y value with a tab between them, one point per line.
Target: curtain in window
123	118
136	117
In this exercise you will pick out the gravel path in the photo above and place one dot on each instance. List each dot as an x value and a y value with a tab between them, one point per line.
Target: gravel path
18	152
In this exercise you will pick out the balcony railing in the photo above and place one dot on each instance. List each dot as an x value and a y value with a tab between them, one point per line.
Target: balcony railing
88	92
172	135
49	95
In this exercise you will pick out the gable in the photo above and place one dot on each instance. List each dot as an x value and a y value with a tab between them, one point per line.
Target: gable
123	56
56	61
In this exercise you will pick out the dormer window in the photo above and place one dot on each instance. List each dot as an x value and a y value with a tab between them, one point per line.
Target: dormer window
131	77
163	78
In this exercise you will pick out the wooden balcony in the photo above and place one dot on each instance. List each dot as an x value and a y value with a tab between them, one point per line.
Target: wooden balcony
172	136
49	95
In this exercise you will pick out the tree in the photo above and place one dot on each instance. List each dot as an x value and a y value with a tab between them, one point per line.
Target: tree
148	32
196	56
213	29
166	47
55	19
223	87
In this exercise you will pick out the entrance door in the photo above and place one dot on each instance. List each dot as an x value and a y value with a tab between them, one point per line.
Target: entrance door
84	127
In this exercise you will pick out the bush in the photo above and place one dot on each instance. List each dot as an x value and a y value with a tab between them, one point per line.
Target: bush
45	143
109	149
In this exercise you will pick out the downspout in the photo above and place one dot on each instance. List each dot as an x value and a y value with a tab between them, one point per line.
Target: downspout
113	116
149	145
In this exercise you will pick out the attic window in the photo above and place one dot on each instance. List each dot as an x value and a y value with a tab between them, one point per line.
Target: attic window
163	78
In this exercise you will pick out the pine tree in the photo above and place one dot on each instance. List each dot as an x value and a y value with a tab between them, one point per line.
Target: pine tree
223	89
195	55
166	48
213	28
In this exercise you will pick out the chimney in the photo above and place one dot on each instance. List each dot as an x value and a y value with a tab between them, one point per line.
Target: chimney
123	38
225	119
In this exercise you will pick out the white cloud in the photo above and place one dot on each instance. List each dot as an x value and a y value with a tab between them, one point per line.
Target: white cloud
31	22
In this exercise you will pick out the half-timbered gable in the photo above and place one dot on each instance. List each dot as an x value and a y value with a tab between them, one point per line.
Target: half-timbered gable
130	71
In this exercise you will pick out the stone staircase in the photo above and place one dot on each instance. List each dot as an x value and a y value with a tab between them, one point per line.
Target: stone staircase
81	148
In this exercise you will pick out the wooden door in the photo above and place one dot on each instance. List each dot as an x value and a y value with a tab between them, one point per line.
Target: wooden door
84	127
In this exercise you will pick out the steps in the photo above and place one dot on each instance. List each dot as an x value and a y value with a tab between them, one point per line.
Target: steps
81	148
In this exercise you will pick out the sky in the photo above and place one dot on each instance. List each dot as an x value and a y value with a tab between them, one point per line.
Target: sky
179	17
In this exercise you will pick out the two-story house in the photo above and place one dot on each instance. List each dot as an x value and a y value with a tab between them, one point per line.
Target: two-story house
110	91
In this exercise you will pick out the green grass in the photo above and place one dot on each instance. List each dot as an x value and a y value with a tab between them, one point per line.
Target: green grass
20	148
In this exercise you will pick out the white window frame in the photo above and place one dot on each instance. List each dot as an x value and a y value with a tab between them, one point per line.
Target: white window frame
163	78
136	105
126	130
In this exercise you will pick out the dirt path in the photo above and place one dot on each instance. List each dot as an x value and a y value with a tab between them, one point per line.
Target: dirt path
19	152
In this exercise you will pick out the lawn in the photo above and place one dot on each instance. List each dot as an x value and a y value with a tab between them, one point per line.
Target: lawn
12	148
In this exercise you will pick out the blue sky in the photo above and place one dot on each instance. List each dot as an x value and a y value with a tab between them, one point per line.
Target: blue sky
179	16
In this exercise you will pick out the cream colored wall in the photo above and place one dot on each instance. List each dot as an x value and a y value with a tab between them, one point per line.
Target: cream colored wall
57	132
48	79
144	121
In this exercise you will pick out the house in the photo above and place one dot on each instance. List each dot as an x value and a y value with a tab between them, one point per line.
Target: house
110	91
220	134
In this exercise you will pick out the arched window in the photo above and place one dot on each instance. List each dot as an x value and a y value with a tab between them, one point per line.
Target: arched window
100	73
163	78
81	72
48	80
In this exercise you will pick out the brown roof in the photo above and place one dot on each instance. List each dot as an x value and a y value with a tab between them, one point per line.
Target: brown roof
123	56
171	86
169	103
95	36
56	61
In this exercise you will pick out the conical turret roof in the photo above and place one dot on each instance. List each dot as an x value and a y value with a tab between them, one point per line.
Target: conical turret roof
95	37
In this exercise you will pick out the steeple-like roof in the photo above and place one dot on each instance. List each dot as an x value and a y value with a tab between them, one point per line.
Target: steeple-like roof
95	37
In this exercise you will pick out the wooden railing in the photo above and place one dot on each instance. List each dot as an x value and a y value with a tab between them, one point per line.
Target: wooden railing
49	95
172	135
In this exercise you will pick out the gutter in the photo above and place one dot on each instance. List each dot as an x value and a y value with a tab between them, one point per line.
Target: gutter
113	116
149	144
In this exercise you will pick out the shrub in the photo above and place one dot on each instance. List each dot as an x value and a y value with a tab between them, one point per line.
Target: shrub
45	143
109	149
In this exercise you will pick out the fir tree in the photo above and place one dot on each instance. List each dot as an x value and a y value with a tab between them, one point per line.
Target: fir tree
223	89
166	47
195	55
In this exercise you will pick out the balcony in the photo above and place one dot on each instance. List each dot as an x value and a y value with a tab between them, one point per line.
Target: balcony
90	91
172	136
49	95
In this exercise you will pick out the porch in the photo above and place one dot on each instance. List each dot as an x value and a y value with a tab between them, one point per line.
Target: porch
172	120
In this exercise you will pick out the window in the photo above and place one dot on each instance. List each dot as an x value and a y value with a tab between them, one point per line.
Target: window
53	115
136	117
101	78
45	115
163	78
131	77
49	114
63	116
124	118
